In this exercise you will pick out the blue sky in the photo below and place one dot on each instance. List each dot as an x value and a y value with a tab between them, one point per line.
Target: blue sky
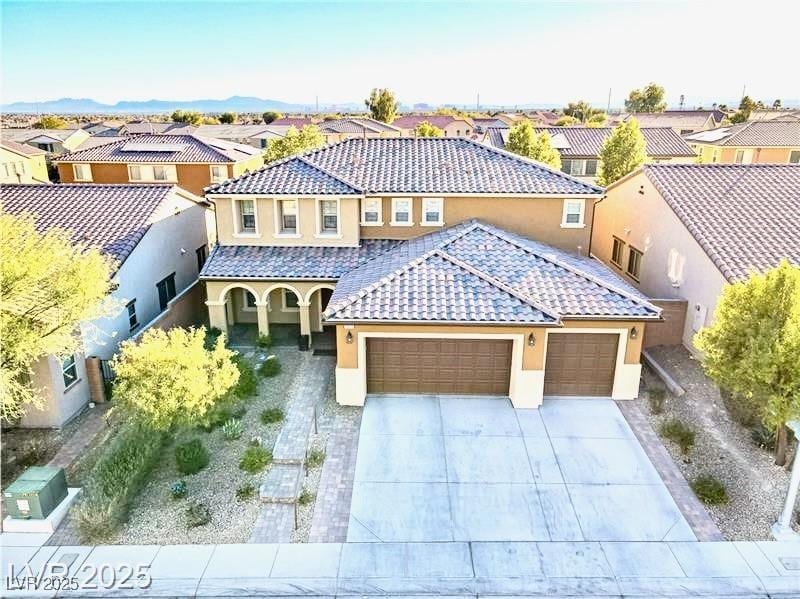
437	52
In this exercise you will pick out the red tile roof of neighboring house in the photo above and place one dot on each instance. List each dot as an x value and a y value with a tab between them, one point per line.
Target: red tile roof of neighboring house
292	121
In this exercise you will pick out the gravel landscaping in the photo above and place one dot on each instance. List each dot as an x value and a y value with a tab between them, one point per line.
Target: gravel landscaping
755	487
157	518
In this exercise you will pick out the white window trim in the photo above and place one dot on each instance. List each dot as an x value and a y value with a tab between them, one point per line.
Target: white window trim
237	223
320	234
75	171
211	172
284	307
410	222
245	307
277	218
377	223
64	372
153	165
579	225
440	222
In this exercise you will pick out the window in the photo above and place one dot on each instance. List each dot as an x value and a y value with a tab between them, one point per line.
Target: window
617	248
329	217
432	212
572	217
591	168
371	212
166	291
248	301
133	322
401	212
246	215
739	158
579	167
634	263
219	173
290	302
134	172
287	213
70	371
200	253
149	173
794	157
82	172
675	264
160	173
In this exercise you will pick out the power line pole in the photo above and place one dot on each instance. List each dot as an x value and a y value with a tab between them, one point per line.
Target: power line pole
478	103
608	106
316	103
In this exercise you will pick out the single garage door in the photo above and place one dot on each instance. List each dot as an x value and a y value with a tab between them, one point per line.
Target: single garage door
580	364
446	366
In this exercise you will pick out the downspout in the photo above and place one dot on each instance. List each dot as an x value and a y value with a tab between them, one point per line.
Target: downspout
591	231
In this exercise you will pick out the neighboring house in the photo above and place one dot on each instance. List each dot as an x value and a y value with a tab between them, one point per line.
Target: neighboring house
439	265
148	128
21	163
52	141
298	122
545	117
159	236
103	128
345	128
774	115
483	124
775	142
257	136
187	160
580	146
682	122
684	231
453	126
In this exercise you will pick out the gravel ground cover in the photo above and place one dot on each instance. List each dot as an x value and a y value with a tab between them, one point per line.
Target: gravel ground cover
756	488
157	518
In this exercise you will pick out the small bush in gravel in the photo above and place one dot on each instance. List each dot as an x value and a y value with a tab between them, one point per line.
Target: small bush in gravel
709	490
255	459
655	398
271	416
247	385
232	429
270	367
305	497
197	514
315	458
763	437
264	341
191	457
679	433
178	489
245	492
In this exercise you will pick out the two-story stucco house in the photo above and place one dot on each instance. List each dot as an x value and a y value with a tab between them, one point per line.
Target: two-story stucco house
451	126
190	161
21	163
158	235
765	142
444	265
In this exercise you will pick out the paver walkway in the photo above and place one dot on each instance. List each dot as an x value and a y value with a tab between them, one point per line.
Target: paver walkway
94	421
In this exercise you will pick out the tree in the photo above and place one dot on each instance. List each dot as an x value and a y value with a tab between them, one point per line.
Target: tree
567	121
648	99
48	285
382	105
597	120
270	115
190	117
294	142
425	129
523	140
581	110
169	378
623	152
227	118
50	121
753	347
776	105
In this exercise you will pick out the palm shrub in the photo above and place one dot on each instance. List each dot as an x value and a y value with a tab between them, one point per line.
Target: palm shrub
191	457
232	429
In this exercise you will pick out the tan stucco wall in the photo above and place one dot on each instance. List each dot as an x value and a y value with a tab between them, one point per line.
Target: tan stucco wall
35	168
649	224
59	404
727	154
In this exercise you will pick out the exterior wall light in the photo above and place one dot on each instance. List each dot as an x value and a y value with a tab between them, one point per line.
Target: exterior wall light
634	333
349	337
531	340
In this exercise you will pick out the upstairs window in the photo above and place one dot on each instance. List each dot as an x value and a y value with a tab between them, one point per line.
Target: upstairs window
329	217
432	212
149	173
579	167
219	173
572	216
133	321
794	157
82	172
246	216
166	291
634	267
371	212
160	173
287	215
69	371
401	212
617	249
200	254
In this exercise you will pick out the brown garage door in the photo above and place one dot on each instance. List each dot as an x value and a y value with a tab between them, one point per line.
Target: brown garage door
447	366
580	364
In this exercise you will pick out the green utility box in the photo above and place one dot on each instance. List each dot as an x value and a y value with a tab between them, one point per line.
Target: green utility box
36	493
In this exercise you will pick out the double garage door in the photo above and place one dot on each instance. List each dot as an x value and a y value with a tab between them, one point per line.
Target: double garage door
577	364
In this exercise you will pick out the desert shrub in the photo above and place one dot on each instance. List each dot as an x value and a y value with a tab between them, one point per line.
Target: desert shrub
264	341
271	415
763	437
178	489
255	459
679	433
305	497
245	492
191	457
709	490
315	458
655	398
247	385
232	429
116	478
269	367
212	335
197	514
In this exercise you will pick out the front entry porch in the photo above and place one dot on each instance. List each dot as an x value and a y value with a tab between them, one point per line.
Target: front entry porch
245	335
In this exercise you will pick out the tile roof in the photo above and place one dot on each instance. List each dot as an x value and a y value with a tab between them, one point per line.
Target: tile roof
586	142
292	121
24	135
290	262
437	120
745	216
235	131
113	218
752	134
356	125
177	148
475	272
148	128
424	165
677	118
19	148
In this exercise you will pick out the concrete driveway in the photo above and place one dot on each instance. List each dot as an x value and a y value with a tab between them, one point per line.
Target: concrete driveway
444	468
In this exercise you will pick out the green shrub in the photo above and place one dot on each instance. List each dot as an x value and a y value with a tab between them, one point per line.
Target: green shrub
212	335
247	385
305	497
680	433
245	492
255	459
191	457
271	415
270	367
116	478
655	398
315	458
232	429
197	514
709	490
763	437
178	489
264	341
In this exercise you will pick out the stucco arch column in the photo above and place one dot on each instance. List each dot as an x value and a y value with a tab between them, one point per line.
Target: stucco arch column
305	317
263	317
216	315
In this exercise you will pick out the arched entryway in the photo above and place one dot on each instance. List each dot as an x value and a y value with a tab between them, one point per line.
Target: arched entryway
323	338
